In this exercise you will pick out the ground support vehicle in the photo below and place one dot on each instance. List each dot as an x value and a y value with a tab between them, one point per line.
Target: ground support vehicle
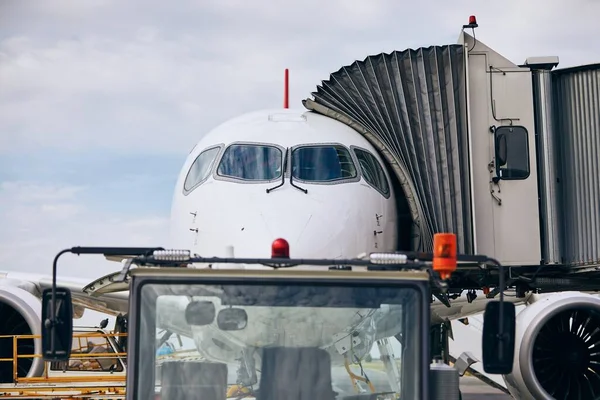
294	329
96	368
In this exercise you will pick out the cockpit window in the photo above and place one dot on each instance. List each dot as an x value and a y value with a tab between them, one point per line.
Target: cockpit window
251	162
200	169
323	163
372	171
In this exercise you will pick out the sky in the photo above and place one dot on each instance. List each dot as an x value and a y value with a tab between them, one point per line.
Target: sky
101	100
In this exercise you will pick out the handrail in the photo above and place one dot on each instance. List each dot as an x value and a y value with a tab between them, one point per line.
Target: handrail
94	375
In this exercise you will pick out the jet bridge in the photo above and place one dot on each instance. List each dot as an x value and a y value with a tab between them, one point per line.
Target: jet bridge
503	155
411	105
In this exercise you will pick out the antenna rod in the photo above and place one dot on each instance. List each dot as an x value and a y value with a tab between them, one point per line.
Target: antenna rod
286	91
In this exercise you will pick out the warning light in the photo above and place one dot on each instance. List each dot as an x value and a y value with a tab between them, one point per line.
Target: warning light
280	249
472	23
444	254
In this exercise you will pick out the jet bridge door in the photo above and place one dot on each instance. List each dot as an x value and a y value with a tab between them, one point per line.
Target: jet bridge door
504	157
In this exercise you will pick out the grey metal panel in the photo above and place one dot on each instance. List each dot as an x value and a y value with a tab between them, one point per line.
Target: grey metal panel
548	169
577	104
411	105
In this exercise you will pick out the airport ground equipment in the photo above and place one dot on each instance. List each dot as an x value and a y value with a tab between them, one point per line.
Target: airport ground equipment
503	154
378	297
96	367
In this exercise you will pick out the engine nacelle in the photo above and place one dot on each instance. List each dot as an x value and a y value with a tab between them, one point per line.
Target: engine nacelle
557	348
20	313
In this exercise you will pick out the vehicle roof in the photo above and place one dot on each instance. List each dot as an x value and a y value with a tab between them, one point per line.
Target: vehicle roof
284	273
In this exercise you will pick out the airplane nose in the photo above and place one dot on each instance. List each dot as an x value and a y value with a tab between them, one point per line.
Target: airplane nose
310	225
305	229
316	225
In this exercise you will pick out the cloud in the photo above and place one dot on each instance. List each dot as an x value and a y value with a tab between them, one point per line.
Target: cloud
40	219
156	78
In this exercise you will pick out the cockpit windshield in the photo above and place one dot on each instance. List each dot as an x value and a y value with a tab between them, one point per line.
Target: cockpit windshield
323	163
251	162
271	337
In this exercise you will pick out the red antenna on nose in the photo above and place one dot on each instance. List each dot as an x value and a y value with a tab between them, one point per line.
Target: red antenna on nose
286	89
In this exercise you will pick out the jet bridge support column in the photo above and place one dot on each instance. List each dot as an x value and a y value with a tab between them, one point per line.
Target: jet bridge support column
438	335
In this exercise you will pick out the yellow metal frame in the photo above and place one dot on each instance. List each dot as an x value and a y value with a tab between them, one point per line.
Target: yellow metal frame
64	392
94	377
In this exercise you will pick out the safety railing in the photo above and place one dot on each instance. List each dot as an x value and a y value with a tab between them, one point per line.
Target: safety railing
93	365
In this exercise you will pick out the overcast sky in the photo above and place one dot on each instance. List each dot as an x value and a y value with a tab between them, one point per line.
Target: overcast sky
101	100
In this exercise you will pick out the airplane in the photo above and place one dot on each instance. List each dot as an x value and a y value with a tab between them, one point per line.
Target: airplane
237	168
268	174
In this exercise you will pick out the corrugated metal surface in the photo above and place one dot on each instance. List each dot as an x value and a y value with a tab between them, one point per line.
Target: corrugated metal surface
577	113
548	170
412	106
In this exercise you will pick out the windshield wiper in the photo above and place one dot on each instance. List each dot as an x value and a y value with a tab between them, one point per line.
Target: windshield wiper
292	174
282	173
285	162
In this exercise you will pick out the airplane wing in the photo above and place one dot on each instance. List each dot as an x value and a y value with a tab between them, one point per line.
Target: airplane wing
109	303
104	295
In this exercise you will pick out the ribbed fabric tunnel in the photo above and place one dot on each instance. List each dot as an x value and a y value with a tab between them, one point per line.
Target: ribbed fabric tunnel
411	105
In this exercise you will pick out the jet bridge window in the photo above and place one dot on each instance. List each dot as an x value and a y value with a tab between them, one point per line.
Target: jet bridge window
251	162
200	169
323	163
512	152
372	171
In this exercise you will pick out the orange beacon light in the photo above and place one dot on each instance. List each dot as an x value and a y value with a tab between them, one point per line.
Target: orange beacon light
444	254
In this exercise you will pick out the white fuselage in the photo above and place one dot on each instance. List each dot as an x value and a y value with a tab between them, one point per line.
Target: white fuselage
333	219
341	214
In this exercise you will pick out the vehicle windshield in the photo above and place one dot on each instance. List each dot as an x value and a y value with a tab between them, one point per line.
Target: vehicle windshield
275	338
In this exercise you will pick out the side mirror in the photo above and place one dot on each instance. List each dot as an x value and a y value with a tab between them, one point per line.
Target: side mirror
200	313
57	325
498	347
232	319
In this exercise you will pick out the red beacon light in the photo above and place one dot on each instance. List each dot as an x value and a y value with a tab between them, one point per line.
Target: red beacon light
280	248
472	22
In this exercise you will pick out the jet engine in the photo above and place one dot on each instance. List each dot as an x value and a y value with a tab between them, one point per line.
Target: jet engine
557	348
20	313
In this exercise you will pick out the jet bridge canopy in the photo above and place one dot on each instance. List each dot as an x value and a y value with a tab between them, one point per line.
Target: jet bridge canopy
411	105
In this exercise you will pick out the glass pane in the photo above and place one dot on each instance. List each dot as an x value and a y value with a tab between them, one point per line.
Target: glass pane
512	152
273	328
322	163
200	169
251	162
372	171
